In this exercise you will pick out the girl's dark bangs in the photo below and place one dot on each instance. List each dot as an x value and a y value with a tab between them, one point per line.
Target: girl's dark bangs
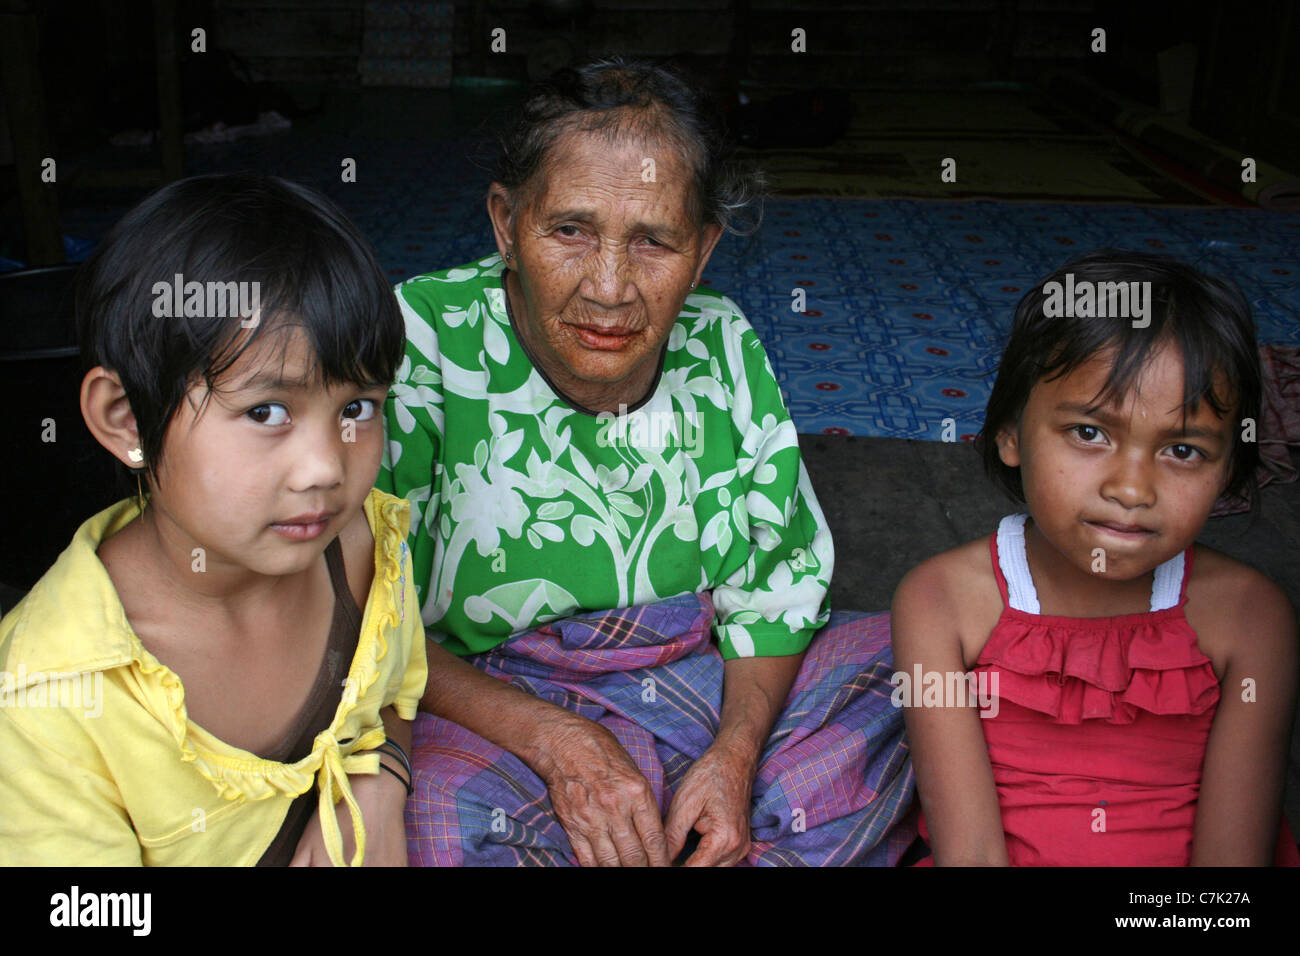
351	339
1132	349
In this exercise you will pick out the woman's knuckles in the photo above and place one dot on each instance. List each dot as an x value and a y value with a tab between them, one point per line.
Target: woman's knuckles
609	859
619	800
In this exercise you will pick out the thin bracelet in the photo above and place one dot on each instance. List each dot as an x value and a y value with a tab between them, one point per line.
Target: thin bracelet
389	742
405	783
410	774
399	753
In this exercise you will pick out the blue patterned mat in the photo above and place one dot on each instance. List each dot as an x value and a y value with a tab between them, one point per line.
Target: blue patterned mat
909	302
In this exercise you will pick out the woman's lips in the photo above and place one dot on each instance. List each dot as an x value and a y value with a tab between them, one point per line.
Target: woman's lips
610	340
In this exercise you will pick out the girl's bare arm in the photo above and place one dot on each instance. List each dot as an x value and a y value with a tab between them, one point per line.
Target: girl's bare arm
953	776
1239	807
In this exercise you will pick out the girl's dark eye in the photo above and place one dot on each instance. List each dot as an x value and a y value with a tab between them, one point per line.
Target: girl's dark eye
360	409
269	414
1185	452
1088	433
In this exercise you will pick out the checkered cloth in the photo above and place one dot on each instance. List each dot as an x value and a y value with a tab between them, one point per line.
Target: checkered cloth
835	785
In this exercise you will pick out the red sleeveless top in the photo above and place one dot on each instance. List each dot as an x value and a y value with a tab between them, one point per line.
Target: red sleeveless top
1100	726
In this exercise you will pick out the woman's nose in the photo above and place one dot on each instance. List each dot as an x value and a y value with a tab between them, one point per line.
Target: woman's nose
610	275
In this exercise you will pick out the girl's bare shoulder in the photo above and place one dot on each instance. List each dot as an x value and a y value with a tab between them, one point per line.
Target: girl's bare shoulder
1233	607
954	592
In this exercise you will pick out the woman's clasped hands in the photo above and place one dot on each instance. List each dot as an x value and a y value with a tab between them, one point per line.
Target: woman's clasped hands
610	812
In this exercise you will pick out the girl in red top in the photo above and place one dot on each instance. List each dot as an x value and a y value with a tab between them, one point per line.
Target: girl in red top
1132	690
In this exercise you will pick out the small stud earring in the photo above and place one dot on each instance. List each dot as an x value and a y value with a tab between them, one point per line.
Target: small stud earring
510	254
136	455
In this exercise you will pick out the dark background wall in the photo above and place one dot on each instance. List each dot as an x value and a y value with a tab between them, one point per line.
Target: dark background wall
1234	71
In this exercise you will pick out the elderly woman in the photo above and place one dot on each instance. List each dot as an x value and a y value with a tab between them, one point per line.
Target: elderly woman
580	428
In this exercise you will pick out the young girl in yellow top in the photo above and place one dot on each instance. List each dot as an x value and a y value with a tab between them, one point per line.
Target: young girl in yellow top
1134	690
224	669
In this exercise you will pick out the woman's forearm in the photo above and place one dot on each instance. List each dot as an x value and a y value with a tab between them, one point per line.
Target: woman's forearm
754	690
512	719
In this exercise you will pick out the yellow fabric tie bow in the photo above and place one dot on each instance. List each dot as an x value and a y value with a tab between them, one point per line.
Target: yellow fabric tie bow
333	783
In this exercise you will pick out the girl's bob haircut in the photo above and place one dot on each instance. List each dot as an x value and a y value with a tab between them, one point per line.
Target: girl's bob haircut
234	235
1207	319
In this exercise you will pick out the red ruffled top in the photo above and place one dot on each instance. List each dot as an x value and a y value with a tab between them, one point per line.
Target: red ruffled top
1096	733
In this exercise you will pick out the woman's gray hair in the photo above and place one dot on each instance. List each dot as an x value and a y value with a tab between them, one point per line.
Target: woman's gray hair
618	98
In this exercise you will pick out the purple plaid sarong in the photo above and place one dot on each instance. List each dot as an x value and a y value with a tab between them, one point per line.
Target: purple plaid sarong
834	787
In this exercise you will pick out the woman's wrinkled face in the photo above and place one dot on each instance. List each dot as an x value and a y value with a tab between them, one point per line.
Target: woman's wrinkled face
605	252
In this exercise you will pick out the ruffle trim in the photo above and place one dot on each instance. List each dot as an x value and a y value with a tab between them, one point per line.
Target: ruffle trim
254	778
1101	673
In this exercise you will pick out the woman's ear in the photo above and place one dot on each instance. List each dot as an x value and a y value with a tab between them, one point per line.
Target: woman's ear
709	237
108	415
500	213
1008	442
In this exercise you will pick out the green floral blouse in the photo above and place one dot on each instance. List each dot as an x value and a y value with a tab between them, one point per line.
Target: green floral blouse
526	509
